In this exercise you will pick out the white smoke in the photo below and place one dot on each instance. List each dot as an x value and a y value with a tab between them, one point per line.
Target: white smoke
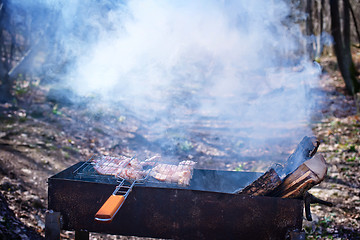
236	60
222	48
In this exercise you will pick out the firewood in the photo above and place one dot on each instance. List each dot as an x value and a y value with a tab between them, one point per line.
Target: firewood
308	174
270	183
265	184
306	149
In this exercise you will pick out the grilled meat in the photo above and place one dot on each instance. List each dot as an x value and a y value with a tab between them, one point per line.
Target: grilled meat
133	169
107	165
124	167
180	174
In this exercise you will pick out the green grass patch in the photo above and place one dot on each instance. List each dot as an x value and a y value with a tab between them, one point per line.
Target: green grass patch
352	159
352	148
70	149
186	146
56	111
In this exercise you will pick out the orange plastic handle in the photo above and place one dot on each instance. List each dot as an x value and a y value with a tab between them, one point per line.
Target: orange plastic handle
107	212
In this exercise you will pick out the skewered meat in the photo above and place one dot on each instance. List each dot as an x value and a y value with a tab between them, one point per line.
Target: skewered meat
180	174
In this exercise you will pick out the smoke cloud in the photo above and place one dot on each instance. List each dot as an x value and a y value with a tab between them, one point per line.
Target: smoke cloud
191	64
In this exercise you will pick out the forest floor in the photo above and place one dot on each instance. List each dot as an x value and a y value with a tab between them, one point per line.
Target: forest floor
40	137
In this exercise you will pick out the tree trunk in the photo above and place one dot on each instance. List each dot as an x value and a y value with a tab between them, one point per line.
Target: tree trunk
355	23
5	62
342	45
319	40
5	87
309	28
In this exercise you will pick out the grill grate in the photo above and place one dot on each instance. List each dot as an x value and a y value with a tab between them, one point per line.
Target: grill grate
111	169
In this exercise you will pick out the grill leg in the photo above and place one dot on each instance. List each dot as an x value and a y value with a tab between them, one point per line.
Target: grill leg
81	235
52	225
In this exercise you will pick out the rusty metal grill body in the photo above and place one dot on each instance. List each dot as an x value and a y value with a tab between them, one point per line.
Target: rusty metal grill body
206	209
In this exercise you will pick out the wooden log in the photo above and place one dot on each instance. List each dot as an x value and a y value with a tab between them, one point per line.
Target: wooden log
269	183
308	174
262	186
306	149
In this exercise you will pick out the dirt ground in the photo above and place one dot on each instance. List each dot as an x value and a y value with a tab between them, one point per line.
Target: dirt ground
40	137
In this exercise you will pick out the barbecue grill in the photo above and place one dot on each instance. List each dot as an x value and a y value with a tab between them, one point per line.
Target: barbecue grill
205	209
